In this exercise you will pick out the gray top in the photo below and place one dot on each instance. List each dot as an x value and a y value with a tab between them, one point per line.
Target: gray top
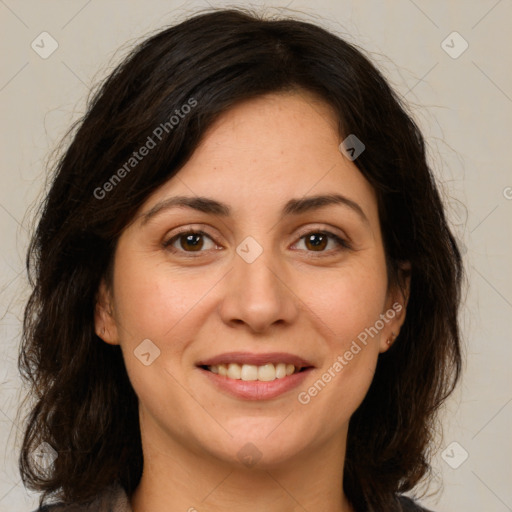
115	499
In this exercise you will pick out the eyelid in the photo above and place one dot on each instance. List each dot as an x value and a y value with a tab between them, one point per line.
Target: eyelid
325	228
188	230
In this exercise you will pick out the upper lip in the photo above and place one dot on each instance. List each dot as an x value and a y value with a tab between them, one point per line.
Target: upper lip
255	359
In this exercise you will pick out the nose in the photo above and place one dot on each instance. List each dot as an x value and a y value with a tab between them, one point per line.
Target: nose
259	294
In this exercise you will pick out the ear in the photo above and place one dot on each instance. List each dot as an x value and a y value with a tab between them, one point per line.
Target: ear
396	307
104	322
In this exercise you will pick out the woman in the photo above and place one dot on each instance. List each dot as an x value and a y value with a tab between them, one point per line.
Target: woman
245	288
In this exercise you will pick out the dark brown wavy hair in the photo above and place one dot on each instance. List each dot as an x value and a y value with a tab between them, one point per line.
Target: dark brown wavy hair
82	402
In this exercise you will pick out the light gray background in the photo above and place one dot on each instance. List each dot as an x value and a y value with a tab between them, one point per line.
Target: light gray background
463	104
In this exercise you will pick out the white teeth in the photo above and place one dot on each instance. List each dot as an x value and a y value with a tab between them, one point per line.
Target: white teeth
267	372
281	370
251	372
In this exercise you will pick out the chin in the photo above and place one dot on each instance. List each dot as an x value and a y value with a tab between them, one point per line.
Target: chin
261	450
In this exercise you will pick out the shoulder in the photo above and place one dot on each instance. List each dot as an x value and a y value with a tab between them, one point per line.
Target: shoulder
111	499
409	505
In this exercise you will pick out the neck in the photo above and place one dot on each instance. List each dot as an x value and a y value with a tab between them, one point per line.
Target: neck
179	478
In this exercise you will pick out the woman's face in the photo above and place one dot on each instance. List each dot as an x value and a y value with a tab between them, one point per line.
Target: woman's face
263	279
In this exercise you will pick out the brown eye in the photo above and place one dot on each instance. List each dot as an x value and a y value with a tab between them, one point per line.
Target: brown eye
188	241
193	242
317	241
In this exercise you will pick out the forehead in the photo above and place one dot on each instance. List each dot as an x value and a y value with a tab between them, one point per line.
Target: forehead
271	125
266	150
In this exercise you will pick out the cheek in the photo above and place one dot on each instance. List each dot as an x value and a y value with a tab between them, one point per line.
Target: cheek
350	309
347	305
347	300
156	304
152	299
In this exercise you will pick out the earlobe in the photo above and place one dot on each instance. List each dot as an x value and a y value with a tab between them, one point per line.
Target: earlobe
392	330
390	340
104	322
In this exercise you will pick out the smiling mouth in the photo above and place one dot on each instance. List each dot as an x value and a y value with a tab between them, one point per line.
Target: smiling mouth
249	372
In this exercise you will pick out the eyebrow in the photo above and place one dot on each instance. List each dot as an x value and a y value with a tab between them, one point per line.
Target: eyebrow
292	207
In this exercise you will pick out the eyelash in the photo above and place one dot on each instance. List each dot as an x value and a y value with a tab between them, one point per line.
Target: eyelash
343	243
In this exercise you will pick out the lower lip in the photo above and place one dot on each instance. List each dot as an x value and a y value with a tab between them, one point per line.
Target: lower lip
255	389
